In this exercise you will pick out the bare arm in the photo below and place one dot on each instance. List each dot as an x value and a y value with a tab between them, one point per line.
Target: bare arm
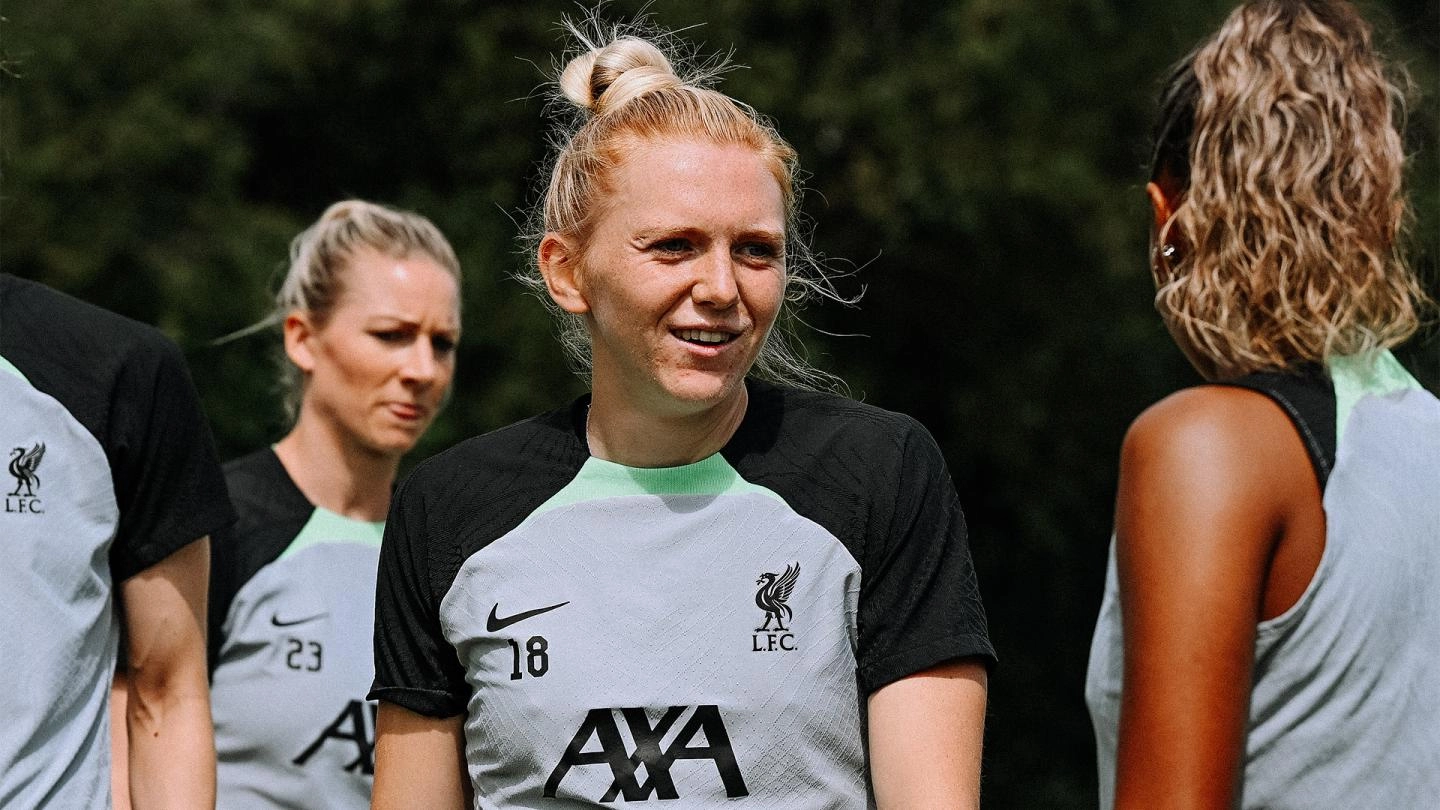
925	737
1210	479
419	761
119	743
171	741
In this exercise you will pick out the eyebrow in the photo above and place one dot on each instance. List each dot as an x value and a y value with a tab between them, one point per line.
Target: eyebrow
749	232
403	321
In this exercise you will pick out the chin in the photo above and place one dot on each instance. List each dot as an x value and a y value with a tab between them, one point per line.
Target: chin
393	442
701	390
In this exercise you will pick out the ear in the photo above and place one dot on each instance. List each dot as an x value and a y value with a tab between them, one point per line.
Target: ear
1160	204
559	263
299	339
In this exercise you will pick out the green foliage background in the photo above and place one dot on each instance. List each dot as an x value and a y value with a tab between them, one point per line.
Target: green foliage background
979	161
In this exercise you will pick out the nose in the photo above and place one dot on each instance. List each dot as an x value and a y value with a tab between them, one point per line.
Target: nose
421	367
715	281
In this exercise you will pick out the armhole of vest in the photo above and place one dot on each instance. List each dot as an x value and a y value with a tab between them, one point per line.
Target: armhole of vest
1309	400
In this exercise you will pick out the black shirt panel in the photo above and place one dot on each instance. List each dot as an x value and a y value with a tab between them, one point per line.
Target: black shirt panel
1308	398
451	506
272	511
129	386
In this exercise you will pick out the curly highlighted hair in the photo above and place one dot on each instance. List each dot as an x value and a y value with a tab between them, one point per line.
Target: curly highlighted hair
1280	136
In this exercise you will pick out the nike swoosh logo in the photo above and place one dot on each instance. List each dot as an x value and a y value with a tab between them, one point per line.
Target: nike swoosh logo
278	622
495	623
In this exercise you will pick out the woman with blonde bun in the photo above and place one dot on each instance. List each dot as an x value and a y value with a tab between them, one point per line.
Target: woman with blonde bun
370	313
1271	615
702	582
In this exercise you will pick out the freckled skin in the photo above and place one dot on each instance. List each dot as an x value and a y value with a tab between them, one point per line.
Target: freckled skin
692	238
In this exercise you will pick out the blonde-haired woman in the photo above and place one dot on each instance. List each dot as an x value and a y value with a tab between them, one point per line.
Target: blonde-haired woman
370	314
690	585
1271	615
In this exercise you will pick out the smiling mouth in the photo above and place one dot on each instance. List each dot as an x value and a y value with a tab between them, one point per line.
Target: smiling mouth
702	337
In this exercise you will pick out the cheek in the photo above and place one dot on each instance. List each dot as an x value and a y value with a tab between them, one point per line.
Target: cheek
764	297
360	366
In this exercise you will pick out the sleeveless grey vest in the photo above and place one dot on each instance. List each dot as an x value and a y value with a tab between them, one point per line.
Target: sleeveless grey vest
1345	706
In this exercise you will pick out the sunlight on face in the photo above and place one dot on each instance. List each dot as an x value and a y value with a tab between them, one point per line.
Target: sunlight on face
683	275
380	366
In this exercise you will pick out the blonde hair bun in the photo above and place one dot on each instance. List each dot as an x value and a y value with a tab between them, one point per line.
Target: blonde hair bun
607	78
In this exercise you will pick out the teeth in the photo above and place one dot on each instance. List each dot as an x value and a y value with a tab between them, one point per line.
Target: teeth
701	336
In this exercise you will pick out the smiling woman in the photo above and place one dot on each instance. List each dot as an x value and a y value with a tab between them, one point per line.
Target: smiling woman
681	281
702	581
370	316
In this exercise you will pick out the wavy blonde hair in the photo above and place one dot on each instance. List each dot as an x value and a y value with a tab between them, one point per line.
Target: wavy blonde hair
1282	134
626	85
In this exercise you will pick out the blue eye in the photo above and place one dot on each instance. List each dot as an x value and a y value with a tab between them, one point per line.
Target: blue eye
763	251
676	245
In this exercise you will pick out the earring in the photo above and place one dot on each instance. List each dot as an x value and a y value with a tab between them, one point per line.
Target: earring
1168	251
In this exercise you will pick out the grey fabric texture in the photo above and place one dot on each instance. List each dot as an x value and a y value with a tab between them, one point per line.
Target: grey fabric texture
110	471
681	631
293	662
60	632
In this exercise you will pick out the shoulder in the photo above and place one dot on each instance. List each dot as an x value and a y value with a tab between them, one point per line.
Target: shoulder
1212	455
251	468
511	455
1207	425
820	419
87	358
70	329
487	484
263	492
855	469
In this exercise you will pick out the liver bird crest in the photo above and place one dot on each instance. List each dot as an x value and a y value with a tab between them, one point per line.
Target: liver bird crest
23	464
773	594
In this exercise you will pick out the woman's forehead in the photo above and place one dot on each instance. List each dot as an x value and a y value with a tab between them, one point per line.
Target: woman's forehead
674	178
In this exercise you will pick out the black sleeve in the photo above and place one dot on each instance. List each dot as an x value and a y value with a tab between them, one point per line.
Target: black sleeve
223	586
919	601
415	666
168	484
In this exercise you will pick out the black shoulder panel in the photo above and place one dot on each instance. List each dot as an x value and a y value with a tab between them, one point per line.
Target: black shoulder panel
1308	398
450	507
272	511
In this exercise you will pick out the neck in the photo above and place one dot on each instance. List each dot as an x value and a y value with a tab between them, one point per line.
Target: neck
627	435
335	474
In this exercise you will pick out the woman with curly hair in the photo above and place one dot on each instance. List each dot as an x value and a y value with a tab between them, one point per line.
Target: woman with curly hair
1271	614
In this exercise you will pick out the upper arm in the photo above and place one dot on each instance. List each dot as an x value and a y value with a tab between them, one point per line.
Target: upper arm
164	609
1199	511
923	641
919	600
168	484
925	734
415	665
419	761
